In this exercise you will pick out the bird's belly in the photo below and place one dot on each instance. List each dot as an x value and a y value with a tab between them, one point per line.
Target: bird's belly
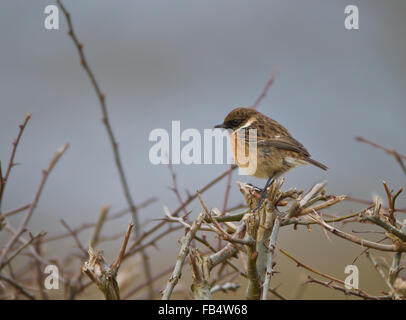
267	162
247	157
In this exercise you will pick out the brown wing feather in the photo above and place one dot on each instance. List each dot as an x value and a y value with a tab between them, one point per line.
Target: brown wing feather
290	144
279	137
285	143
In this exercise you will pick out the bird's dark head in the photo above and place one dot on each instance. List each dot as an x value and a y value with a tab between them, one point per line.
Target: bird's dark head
238	118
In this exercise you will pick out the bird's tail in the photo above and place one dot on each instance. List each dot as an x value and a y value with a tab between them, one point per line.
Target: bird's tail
317	164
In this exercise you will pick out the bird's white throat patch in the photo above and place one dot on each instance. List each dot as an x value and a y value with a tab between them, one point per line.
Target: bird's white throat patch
247	124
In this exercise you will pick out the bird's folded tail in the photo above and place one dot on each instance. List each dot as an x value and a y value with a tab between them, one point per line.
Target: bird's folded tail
316	163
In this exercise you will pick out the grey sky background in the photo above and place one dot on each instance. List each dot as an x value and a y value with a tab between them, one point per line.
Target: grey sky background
194	61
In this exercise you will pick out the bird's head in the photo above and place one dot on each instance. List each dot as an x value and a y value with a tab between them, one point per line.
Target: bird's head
238	118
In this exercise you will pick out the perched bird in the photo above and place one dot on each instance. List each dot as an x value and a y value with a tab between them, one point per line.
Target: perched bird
276	150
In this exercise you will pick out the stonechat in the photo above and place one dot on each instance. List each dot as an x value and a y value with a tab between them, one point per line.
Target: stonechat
275	152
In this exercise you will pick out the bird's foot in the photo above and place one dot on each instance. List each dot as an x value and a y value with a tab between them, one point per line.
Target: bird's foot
261	199
264	193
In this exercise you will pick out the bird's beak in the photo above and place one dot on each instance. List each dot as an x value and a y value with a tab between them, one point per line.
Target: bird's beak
220	126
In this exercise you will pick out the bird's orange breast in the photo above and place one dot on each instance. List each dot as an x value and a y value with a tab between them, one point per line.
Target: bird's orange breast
245	155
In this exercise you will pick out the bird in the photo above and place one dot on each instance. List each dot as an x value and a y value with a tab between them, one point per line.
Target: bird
276	150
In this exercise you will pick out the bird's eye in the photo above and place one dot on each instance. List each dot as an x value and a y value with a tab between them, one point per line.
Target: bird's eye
235	122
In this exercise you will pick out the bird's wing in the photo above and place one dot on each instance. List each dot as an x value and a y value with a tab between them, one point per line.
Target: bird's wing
285	143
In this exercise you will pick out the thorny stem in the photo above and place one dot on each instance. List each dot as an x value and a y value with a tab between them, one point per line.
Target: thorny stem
11	164
23	224
184	250
113	141
324	275
381	273
348	292
269	265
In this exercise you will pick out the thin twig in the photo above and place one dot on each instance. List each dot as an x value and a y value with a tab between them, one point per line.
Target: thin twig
301	264
179	209
103	275
265	90
397	257
227	251
269	266
111	217
398	157
296	221
175	188
102	99
225	287
184	250
382	274
324	275
75	237
387	150
23	246
227	191
19	287
151	242
145	284
362	242
116	264
388	227
11	163
17	210
348	292
100	222
23	224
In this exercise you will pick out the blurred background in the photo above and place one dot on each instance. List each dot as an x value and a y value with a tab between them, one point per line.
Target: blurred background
159	61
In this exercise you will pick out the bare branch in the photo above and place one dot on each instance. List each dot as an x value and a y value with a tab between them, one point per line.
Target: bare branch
362	242
17	210
398	157
269	266
254	285
201	276
348	292
19	287
382	274
102	100
184	250
11	163
225	287
111	217
145	284
116	264
103	275
100	222
75	237
19	250
265	90
23	224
